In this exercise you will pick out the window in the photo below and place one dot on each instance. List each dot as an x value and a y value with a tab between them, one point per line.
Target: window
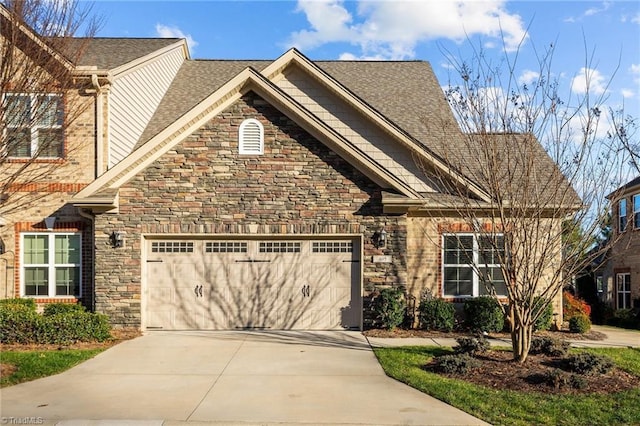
225	247
171	247
332	247
251	137
34	126
51	264
623	289
622	215
279	247
636	211
471	263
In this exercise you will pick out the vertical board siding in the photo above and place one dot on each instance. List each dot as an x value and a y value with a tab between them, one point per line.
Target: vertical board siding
354	127
134	99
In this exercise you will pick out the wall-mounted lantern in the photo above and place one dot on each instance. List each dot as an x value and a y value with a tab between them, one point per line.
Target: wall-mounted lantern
117	239
380	238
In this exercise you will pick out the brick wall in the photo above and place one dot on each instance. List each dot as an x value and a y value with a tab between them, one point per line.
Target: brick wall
203	186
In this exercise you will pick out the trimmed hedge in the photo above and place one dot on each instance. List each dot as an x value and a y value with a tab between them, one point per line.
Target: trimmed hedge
579	324
62	308
436	314
390	307
544	320
19	323
483	314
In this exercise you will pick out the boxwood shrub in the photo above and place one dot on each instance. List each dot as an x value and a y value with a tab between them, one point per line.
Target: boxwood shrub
483	314
390	307
579	324
20	323
62	308
546	317
436	314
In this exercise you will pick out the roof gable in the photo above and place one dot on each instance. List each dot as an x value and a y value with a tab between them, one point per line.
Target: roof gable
247	80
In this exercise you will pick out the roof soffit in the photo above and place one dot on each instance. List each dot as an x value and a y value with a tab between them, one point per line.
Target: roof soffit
245	81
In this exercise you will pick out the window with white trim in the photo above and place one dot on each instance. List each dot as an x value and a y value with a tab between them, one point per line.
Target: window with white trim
636	211
622	215
471	264
34	126
51	264
623	290
251	137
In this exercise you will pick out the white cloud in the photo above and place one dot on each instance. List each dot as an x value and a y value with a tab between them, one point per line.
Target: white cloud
627	93
634	70
589	80
528	77
391	29
165	31
592	11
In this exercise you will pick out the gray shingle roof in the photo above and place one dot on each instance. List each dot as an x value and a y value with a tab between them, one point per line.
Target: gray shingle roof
109	53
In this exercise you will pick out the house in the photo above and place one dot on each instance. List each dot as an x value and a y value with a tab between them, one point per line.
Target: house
620	277
223	194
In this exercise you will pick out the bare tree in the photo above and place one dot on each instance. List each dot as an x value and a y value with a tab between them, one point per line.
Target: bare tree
39	53
543	169
623	136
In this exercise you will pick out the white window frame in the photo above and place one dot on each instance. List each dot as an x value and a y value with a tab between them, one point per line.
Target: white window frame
51	265
622	215
635	200
623	288
34	126
246	137
475	267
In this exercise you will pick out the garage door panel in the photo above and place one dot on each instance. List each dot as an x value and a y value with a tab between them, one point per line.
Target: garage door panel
260	284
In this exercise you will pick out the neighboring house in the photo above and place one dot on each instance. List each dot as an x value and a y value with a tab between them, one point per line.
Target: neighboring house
621	274
231	194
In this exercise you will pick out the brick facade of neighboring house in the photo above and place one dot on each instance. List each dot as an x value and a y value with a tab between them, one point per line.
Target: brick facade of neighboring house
621	272
162	220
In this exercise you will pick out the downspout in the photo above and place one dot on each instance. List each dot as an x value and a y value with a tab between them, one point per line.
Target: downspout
91	218
99	125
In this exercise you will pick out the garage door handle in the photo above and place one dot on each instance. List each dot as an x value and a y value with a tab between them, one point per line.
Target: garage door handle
305	291
198	290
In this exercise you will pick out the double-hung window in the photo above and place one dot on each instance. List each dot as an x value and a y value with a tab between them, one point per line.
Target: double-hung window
636	211
34	126
622	215
472	265
623	290
51	264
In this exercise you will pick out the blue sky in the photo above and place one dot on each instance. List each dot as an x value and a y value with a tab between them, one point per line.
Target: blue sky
594	38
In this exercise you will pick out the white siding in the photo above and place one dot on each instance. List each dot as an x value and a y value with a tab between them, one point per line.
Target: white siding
134	98
355	128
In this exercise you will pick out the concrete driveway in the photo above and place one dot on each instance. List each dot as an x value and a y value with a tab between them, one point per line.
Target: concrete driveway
229	377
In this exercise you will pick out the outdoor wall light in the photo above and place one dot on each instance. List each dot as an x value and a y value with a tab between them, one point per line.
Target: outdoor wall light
380	238
117	239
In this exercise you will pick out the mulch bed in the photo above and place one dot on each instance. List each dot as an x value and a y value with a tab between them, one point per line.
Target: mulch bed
118	335
498	371
406	333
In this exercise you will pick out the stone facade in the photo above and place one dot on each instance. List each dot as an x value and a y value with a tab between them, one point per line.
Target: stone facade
204	187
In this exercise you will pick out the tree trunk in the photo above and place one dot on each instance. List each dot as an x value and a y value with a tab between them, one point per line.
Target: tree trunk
521	341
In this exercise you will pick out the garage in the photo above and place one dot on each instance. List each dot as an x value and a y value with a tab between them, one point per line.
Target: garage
227	284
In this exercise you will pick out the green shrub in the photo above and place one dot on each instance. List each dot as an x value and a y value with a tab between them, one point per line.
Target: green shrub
74	326
29	303
549	346
483	314
588	363
19	323
390	307
436	314
62	308
546	317
472	345
455	364
579	324
625	318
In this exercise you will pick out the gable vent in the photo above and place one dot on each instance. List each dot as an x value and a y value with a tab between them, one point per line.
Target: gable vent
251	137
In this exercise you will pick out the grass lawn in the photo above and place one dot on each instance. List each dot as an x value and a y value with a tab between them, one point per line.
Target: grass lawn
31	365
517	408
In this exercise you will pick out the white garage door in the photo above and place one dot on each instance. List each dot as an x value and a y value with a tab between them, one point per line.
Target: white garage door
272	284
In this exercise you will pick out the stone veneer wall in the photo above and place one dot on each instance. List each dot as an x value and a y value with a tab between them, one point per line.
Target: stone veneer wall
203	186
